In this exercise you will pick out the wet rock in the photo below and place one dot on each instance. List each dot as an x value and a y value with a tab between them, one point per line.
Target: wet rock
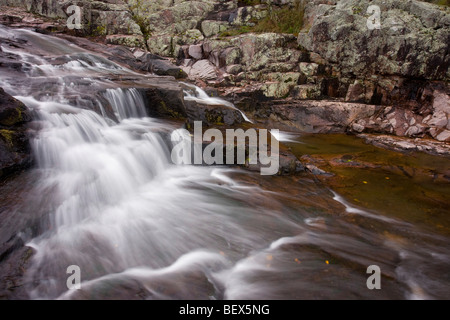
15	151
402	144
165	101
234	69
316	171
171	17
212	114
309	69
161	45
17	17
183	41
202	69
161	67
316	116
360	91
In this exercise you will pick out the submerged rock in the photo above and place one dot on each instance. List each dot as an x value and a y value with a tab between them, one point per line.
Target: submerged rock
401	144
160	66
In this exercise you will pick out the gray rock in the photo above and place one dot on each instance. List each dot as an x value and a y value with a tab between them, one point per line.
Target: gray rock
99	17
316	171
212	28
202	69
165	100
234	69
161	45
412	42
309	69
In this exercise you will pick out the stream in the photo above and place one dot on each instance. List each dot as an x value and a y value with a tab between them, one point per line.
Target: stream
105	196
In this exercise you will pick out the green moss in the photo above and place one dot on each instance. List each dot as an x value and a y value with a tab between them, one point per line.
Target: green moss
8	136
236	31
168	111
244	3
99	31
15	117
214	118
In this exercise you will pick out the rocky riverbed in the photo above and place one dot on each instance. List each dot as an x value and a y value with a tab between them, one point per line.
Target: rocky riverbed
365	120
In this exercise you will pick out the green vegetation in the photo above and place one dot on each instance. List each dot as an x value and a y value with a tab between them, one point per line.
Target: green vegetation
284	20
237	31
357	9
8	136
243	3
440	2
100	31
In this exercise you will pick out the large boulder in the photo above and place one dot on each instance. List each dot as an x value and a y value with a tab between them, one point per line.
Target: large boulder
314	116
212	114
412	40
15	151
160	66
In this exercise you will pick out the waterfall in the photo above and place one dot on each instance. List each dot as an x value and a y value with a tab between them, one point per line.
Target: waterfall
126	103
117	199
138	226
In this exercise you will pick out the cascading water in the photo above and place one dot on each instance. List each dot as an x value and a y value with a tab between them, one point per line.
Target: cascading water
197	94
139	226
126	103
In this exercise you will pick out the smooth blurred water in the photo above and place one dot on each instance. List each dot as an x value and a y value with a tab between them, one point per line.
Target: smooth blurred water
140	227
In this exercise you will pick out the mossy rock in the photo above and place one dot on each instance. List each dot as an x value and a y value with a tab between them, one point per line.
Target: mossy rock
12	111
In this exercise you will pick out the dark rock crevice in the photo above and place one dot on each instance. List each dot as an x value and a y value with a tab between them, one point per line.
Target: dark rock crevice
15	151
